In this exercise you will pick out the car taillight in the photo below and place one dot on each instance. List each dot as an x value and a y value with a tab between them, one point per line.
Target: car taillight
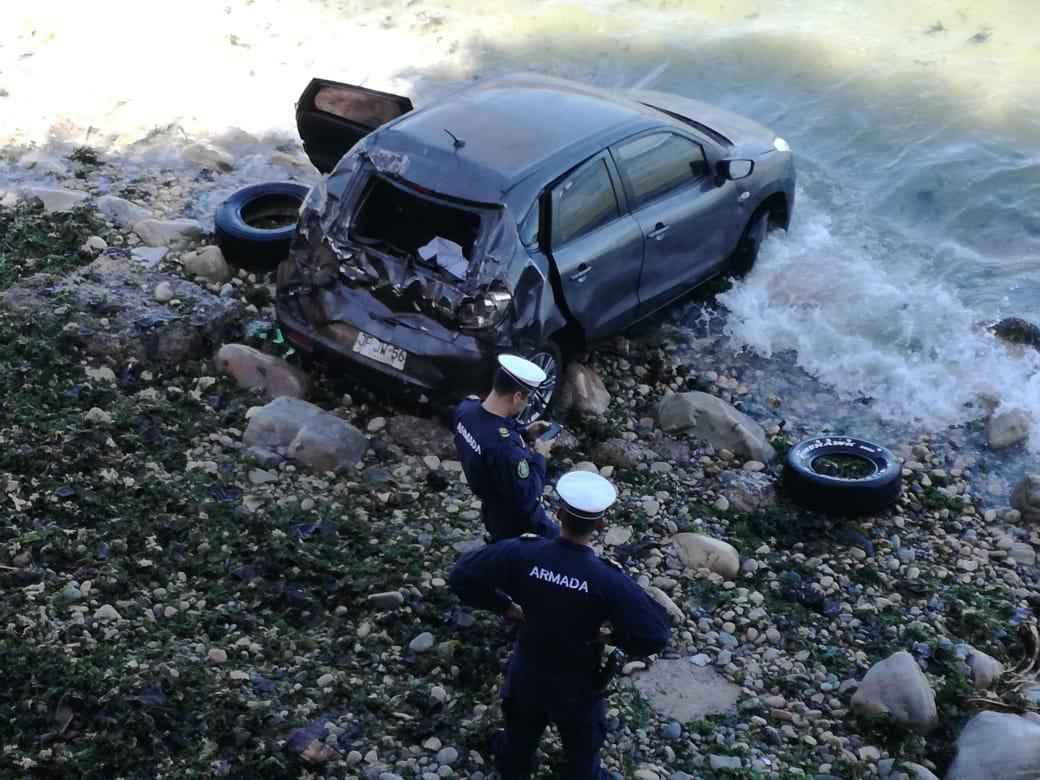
484	311
299	340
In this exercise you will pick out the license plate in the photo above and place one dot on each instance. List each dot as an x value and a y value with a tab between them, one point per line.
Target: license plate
380	351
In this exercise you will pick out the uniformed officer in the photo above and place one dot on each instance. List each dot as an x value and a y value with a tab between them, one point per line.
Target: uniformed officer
502	470
561	593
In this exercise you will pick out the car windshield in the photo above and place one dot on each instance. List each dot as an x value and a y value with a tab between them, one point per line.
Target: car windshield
402	221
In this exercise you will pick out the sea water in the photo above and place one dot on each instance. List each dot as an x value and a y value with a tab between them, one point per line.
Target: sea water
916	128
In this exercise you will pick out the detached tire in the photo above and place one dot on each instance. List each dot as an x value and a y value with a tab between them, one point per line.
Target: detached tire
842	475
254	227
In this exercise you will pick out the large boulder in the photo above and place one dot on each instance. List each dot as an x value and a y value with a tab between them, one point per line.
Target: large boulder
622	454
276	424
421	436
682	690
746	491
697	551
310	435
168	232
1006	429
998	746
984	669
114	313
582	390
894	769
898	687
208	156
1026	497
55	200
41	162
328	443
1016	330
253	368
710	418
122	212
208	264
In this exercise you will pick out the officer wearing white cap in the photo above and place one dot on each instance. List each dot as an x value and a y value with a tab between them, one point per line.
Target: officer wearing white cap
502	469
561	593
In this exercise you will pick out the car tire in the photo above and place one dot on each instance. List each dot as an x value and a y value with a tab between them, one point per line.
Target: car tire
255	226
814	478
549	358
744	256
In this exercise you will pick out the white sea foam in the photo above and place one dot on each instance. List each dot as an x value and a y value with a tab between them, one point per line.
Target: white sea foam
876	327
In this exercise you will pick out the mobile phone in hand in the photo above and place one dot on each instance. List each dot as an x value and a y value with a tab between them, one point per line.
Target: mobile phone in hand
551	432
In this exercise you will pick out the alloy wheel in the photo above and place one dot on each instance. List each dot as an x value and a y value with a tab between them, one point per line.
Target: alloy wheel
541	397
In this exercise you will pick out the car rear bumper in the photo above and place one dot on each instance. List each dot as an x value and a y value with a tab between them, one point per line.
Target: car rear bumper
439	363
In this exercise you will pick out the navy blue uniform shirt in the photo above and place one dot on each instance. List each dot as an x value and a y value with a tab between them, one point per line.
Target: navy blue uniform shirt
567	593
502	471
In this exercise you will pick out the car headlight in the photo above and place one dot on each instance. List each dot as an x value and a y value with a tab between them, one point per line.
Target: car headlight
781	145
484	311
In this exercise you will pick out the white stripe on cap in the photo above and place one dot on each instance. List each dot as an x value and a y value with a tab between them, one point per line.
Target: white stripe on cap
523	371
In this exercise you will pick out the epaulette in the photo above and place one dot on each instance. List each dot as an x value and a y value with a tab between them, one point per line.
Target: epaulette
612	562
529	537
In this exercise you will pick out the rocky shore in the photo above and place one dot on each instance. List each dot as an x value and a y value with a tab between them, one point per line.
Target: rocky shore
213	563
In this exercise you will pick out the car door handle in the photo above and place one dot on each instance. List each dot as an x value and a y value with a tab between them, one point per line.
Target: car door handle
581	273
659	230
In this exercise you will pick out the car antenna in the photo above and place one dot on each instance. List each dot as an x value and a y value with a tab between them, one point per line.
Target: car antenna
458	143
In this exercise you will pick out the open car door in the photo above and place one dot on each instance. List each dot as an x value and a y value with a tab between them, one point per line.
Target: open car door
332	117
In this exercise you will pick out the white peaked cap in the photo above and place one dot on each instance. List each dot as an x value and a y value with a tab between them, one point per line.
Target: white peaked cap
523	371
586	494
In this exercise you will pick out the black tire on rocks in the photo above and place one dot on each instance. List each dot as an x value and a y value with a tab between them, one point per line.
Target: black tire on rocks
548	358
842	475
254	226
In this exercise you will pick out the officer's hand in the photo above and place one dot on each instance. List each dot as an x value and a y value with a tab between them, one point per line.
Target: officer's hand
543	447
536	429
514	612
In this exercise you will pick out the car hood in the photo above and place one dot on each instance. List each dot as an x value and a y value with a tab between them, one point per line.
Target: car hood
745	134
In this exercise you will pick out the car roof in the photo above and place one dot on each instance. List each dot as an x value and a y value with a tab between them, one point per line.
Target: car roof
511	127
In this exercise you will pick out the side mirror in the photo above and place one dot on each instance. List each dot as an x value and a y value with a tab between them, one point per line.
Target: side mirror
734	169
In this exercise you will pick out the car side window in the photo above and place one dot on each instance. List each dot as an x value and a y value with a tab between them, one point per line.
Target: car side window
660	163
583	201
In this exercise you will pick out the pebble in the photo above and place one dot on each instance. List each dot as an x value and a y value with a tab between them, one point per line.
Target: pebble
447	756
422	643
376	424
386	601
724	762
217	656
262	477
326	680
163	292
106	612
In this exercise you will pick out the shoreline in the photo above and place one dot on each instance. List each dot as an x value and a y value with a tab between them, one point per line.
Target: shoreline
171	603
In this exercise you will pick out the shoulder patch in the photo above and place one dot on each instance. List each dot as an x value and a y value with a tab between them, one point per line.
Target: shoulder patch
523	468
503	432
530	537
612	562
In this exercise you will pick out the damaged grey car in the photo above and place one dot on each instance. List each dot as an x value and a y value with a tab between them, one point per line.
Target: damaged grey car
524	213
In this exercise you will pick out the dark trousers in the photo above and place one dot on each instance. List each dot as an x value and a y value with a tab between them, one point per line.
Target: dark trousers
582	739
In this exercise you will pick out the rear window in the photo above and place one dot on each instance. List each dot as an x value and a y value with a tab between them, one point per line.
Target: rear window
401	222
